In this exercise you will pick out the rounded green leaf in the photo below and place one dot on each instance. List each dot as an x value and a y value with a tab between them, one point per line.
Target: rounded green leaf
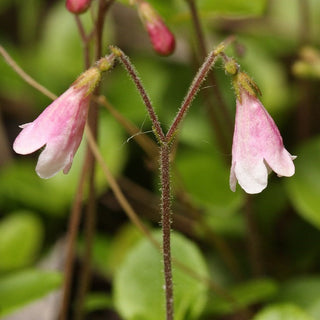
304	187
283	312
244	295
23	287
138	287
97	301
206	178
303	292
123	241
21	235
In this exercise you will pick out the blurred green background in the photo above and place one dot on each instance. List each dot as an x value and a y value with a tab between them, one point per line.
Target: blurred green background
264	250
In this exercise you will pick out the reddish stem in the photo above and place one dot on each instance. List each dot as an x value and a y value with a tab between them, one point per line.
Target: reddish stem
196	83
166	227
147	102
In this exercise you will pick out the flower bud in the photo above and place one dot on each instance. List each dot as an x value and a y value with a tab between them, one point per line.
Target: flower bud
162	39
78	6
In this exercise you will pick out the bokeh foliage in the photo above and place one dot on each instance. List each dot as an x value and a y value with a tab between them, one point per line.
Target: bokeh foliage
42	37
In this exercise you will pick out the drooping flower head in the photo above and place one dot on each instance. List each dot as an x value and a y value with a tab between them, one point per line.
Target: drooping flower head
59	128
78	6
257	144
162	39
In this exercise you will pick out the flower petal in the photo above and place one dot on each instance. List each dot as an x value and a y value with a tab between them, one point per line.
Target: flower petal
281	163
30	139
233	178
51	161
257	147
252	176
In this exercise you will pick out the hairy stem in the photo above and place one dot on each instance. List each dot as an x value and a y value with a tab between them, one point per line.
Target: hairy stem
147	102
134	218
195	86
166	226
146	143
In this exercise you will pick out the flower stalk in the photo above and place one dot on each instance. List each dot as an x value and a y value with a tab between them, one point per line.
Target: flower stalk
165	142
146	100
194	88
166	219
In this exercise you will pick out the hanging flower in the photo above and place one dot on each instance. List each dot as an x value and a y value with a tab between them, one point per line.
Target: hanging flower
78	6
257	145
162	39
59	127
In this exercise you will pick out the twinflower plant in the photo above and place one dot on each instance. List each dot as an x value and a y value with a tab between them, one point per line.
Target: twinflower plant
257	144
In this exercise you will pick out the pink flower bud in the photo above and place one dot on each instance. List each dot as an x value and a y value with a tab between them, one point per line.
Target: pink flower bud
162	39
257	146
59	127
78	6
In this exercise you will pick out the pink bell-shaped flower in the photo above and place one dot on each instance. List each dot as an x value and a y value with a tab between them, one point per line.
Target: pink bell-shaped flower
162	39
257	146
59	127
78	6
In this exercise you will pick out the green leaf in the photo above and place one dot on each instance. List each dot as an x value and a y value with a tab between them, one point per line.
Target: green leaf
282	312
124	240
97	301
304	187
304	292
206	178
232	7
21	288
21	235
245	294
166	9
138	287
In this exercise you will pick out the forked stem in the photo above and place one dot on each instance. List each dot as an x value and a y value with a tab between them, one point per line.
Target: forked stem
165	144
192	92
146	100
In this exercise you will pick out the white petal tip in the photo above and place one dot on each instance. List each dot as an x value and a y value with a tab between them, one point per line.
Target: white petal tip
44	175
22	126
